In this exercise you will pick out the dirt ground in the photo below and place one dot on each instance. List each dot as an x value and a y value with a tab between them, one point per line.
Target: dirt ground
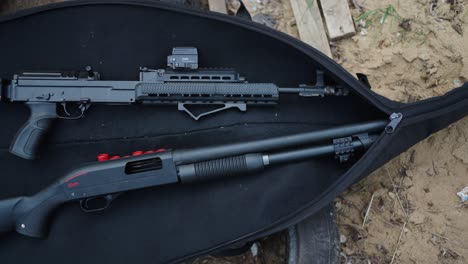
415	216
410	50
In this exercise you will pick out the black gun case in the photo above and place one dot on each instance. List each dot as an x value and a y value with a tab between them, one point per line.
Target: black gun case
172	223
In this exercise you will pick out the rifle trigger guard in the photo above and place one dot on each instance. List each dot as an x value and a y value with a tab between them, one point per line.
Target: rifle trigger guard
82	107
241	107
86	206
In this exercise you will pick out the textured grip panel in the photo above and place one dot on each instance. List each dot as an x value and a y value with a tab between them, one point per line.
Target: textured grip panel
196	89
26	143
222	167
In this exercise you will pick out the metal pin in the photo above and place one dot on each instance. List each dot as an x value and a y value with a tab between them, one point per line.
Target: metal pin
90	71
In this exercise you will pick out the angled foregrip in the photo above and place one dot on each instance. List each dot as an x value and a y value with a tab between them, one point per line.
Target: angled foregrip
30	216
26	142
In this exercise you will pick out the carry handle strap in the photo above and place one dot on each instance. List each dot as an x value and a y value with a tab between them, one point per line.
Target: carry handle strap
243	13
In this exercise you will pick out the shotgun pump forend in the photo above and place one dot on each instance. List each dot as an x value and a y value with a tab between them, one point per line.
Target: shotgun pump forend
104	181
52	95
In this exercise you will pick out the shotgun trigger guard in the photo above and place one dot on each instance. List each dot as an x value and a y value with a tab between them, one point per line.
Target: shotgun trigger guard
86	206
241	106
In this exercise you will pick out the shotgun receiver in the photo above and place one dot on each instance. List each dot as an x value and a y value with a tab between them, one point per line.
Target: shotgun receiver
105	180
181	84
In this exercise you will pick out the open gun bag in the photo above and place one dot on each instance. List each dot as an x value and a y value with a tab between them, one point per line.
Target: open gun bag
175	222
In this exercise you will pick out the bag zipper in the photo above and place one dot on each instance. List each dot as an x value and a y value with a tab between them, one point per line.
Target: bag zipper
395	119
416	110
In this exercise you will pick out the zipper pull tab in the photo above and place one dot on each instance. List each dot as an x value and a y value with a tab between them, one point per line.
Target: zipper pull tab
395	120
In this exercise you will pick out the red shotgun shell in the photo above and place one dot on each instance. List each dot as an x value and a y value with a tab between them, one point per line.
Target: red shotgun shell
137	153
103	157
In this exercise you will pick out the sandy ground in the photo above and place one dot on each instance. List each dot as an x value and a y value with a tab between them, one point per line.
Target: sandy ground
415	215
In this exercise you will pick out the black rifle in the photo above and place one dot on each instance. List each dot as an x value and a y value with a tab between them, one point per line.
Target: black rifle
105	180
182	84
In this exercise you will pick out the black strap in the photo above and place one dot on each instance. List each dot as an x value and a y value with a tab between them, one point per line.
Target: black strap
243	13
235	250
363	78
186	3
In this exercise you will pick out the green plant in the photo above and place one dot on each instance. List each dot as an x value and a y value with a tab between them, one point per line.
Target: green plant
310	4
421	37
369	17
